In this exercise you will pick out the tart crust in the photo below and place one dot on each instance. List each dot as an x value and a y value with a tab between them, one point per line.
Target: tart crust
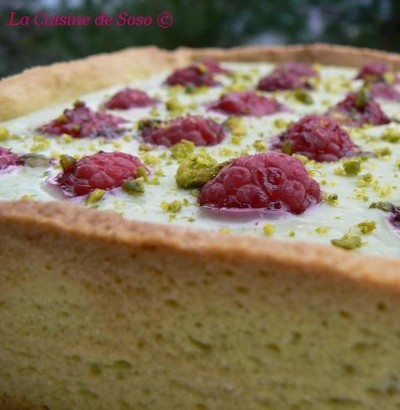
99	312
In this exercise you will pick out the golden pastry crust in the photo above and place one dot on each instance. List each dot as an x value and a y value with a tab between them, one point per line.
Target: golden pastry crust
96	310
304	258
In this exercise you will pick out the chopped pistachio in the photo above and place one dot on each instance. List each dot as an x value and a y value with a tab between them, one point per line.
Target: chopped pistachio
150	159
389	77
182	150
202	68
225	230
314	172
382	152
62	117
173	105
154	112
280	123
28	197
153	181
302	158
174	90
66	138
4	134
226	152
134	186
362	98
383	206
287	147
94	197
237	139
361	194
352	166
145	147
171	207
35	160
391	135
367	226
339	171
117	145
322	230
141	172
40	146
260	145
159	172
364	180
237	86
383	190
67	162
236	126
268	229
303	97
348	241
331	199
196	170
292	234
193	90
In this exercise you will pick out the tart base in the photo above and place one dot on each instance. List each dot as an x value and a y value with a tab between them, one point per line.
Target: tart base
103	313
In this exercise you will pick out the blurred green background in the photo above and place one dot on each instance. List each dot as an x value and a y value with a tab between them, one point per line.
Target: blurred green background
197	23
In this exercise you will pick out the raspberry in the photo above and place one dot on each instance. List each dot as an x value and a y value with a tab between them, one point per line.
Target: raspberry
358	109
298	69
81	121
246	103
271	181
201	131
317	137
282	80
129	98
384	91
373	71
7	159
104	170
194	75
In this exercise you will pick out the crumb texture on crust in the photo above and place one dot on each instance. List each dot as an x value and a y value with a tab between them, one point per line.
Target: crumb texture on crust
99	317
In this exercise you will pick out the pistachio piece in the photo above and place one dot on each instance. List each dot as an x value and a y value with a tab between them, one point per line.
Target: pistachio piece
348	241
35	160
196	170
182	150
133	186
383	206
367	226
352	166
67	162
94	197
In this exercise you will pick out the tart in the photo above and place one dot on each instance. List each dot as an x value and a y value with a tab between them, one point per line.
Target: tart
102	310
